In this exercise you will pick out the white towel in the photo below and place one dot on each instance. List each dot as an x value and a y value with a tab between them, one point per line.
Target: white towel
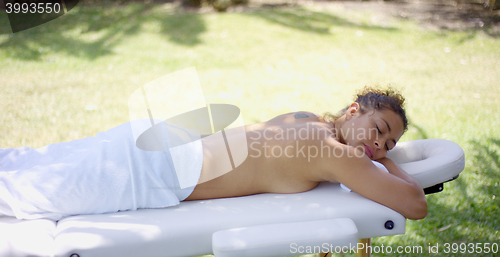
378	164
101	174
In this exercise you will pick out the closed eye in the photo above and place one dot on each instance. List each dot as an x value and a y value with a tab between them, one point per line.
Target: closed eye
380	132
393	146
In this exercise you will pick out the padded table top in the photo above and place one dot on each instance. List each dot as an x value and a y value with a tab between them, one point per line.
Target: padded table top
186	229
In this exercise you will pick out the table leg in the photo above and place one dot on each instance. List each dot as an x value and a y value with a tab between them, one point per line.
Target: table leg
364	252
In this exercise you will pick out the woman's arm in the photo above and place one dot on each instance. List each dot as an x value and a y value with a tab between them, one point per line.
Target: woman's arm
396	189
395	170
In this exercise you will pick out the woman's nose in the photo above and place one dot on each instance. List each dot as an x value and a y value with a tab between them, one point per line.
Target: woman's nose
379	144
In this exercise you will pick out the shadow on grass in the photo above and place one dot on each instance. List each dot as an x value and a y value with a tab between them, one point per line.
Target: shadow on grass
465	212
92	31
311	21
486	161
470	19
471	214
467	16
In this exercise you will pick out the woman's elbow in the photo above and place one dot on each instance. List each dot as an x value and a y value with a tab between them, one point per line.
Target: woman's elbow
418	210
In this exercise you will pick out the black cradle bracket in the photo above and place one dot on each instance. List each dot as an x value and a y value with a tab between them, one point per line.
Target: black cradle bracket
437	188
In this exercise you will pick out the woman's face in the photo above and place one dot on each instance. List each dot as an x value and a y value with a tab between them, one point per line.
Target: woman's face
376	132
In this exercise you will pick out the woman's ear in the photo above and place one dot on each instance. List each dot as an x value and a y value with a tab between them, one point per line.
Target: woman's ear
353	109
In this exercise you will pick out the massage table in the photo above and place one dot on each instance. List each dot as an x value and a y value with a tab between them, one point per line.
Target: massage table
324	219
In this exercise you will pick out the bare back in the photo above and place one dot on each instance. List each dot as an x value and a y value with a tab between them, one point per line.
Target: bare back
293	152
281	159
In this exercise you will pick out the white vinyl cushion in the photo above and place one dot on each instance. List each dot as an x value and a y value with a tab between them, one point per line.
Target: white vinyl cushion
26	237
285	239
187	229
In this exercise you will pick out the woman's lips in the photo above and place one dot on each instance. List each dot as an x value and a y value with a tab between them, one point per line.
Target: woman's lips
369	151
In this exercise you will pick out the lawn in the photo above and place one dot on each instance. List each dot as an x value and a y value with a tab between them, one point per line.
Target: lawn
72	77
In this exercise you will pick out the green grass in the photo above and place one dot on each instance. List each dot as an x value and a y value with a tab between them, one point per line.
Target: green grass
71	78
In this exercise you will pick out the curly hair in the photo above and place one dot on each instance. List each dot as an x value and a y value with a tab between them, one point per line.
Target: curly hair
373	98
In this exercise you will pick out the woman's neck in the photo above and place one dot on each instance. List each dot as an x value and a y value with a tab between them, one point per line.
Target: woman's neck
337	124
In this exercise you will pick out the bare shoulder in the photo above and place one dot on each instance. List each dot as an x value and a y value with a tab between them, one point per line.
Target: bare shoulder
341	159
355	170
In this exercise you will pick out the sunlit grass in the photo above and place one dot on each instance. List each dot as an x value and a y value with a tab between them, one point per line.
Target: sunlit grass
72	77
